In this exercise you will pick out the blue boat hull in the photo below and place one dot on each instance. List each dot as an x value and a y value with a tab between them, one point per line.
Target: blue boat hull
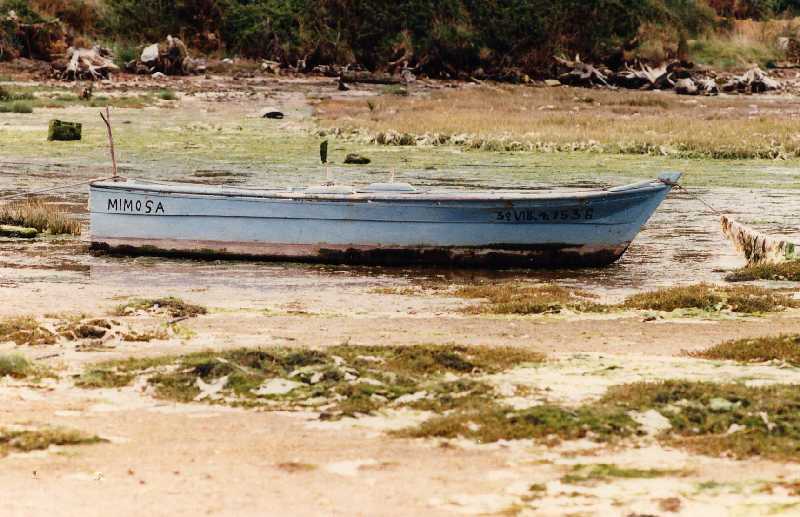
467	230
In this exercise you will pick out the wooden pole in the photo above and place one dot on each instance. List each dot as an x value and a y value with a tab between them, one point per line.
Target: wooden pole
107	120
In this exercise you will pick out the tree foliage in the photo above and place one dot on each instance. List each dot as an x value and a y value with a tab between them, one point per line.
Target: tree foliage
439	36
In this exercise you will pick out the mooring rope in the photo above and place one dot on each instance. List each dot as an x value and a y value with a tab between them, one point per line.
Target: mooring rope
52	189
698	198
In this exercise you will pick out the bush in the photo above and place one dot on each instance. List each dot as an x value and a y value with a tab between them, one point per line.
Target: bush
441	37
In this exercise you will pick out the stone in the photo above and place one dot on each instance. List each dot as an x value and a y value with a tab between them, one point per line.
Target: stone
18	231
149	54
552	82
63	131
356	159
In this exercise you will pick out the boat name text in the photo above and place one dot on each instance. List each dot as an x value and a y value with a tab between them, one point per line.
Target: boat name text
135	206
535	216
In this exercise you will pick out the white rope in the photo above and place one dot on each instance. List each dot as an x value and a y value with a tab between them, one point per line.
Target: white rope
51	189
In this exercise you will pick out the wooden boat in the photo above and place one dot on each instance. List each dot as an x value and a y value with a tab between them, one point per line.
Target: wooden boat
383	223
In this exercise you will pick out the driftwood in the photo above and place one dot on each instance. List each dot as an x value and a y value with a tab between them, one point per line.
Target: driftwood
88	63
678	75
580	74
645	78
686	87
754	80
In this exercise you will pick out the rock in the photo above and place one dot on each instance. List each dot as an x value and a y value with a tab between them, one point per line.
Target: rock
149	54
228	61
272	114
356	159
18	231
158	75
552	82
343	86
63	131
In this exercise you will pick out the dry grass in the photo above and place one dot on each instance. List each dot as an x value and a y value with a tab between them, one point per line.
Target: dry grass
567	119
24	330
26	440
517	298
582	473
707	297
174	307
756	350
16	366
783	271
35	213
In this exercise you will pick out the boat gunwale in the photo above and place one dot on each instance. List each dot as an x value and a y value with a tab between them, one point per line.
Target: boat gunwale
622	191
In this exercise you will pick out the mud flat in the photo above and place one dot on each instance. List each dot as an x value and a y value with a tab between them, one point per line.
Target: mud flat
166	386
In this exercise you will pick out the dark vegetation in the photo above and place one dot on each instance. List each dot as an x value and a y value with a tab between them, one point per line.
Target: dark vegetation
449	37
525	298
756	350
449	381
26	440
783	271
709	418
346	380
717	419
707	297
174	307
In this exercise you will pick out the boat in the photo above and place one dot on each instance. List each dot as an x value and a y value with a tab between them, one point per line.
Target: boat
382	223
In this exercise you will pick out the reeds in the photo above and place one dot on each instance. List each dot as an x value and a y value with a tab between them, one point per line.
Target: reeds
509	118
35	213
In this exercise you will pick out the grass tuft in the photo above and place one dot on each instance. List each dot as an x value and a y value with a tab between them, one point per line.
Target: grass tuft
756	350
25	330
606	471
519	298
40	439
16	366
345	380
35	213
707	297
167	95
173	306
720	419
783	271
16	107
495	423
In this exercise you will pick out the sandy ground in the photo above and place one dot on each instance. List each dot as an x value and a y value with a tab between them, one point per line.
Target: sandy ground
189	459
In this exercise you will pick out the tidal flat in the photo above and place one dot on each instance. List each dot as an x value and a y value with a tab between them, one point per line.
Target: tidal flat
443	391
